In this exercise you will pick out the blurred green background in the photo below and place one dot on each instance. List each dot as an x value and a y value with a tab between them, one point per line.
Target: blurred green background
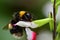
8	7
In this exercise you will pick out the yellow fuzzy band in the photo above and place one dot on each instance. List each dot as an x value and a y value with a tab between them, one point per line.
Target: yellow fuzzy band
21	13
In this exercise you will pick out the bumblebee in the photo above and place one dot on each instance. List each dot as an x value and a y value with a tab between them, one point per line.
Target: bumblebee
22	20
16	30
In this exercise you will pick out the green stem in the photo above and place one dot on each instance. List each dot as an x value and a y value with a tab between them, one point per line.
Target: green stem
54	15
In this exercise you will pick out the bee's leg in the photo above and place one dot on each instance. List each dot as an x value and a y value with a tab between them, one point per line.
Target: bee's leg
15	34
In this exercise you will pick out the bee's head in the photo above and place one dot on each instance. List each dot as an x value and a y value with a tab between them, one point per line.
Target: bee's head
23	16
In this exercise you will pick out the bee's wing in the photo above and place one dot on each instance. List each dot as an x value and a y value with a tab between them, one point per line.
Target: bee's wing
5	27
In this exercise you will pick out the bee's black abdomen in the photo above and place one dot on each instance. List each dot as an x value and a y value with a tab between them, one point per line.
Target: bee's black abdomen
17	29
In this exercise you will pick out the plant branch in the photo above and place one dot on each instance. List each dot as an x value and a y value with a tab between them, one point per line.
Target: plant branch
54	15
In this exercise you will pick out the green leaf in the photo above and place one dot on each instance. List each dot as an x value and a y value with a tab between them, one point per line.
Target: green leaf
42	22
57	4
58	28
58	37
52	1
51	23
